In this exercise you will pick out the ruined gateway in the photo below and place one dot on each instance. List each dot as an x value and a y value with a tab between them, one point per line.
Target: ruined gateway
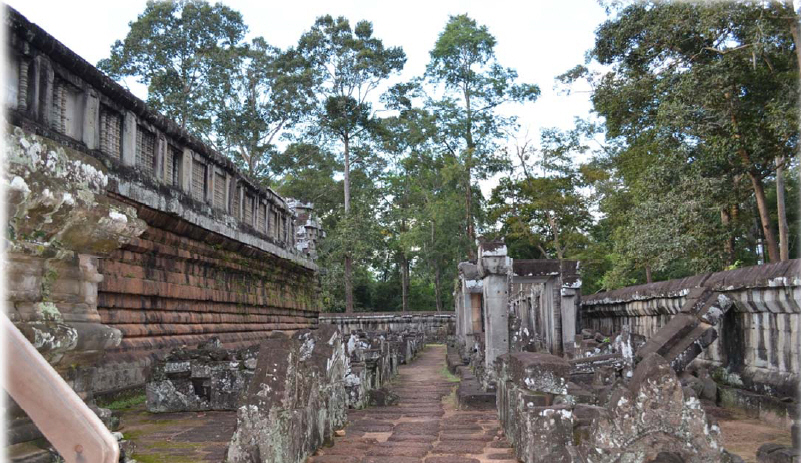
140	259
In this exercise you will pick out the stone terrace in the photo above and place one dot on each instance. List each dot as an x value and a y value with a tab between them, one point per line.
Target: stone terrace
425	427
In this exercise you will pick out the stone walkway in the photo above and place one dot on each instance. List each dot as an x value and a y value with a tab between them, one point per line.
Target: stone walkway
425	426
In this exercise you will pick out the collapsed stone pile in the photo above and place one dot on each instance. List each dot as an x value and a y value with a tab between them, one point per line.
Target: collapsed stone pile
290	393
374	359
207	378
615	397
643	419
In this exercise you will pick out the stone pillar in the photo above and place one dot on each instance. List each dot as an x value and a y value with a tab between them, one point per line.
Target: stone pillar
568	307
570	301
91	120
494	266
185	182
129	139
469	284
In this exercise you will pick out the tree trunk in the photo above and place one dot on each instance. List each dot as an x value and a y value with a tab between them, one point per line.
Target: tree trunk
404	282
471	233
728	244
468	164
348	257
438	288
784	230
756	185
795	30
764	217
555	230
648	277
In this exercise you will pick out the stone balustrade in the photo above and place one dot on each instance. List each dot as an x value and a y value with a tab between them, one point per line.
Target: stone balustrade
437	326
759	339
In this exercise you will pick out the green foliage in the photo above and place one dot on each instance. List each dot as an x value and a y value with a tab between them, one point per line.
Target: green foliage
699	100
173	48
261	94
126	402
469	126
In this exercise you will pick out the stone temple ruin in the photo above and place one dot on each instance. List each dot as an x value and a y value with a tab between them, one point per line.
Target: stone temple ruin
618	376
140	259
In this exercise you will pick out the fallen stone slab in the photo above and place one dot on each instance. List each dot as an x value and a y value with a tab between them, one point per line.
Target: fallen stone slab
690	331
777	453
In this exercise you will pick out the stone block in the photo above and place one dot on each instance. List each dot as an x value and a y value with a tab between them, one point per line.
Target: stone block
471	396
689	332
539	372
295	400
546	434
776	453
652	416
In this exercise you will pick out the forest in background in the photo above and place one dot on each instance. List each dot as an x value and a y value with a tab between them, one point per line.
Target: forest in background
687	164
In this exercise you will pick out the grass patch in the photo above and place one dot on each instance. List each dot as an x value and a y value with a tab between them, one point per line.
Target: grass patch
162	454
122	400
126	403
161	458
133	435
448	376
449	401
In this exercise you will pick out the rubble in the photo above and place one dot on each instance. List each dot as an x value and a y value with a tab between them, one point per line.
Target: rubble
647	418
207	378
374	358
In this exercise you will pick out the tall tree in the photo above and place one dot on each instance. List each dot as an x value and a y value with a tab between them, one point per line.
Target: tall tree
475	86
255	99
544	209
173	47
717	78
349	65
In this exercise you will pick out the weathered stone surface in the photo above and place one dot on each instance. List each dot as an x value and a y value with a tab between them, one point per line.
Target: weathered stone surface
374	358
647	419
539	372
776	453
295	400
652	416
437	326
689	332
758	341
206	378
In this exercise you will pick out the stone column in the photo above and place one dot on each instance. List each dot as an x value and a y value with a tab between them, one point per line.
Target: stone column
568	307
129	139
91	119
494	266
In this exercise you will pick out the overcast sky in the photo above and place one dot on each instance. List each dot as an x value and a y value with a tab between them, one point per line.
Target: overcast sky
540	39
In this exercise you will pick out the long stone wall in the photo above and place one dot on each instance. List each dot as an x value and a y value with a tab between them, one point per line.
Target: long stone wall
759	341
165	290
129	236
435	325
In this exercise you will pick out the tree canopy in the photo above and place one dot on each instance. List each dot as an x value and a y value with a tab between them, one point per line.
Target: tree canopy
680	168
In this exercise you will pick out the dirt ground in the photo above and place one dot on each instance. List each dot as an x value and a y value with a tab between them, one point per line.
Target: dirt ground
743	435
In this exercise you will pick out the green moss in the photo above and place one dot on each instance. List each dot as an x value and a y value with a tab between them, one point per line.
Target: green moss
448	376
124	403
161	458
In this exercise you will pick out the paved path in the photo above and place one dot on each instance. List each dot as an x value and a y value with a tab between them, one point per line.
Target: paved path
425	427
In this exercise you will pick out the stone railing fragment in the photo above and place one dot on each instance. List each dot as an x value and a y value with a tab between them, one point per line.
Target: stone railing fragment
690	331
296	399
638	419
